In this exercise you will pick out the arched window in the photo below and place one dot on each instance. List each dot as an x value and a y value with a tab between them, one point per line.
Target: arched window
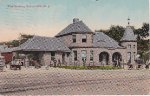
116	56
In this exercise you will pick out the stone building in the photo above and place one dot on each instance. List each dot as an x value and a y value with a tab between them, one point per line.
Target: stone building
77	45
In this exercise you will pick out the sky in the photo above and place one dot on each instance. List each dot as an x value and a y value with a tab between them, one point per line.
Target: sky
49	17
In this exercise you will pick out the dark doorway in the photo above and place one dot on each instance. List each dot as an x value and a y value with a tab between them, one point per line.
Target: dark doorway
104	58
63	58
117	58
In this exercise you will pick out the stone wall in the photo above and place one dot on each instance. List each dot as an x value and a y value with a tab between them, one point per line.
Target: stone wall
97	51
46	59
132	50
68	40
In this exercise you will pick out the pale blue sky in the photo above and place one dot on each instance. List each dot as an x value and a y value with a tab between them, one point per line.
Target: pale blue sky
49	20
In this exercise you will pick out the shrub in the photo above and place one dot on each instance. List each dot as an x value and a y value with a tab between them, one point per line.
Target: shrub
90	67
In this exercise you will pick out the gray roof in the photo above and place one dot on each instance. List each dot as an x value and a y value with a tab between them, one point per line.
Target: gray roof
38	43
5	49
128	35
103	41
2	47
76	27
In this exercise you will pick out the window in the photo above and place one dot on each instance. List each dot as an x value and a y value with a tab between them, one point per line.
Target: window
75	55
92	38
74	38
134	54
129	46
133	46
83	55
68	54
91	55
83	38
129	57
52	55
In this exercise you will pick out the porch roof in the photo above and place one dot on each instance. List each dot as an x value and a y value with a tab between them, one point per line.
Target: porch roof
5	49
39	43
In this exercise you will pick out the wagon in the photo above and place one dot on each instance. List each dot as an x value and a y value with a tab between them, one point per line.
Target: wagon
16	64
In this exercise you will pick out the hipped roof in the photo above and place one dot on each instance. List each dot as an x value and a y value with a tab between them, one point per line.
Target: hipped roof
76	27
103	41
39	43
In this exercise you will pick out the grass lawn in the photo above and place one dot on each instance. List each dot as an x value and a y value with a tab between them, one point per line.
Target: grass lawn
90	67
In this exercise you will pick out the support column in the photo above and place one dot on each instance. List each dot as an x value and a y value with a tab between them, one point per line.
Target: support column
110	59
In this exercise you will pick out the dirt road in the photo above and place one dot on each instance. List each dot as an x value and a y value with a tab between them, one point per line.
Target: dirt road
75	82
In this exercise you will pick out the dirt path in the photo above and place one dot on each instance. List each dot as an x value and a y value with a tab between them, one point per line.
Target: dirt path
75	82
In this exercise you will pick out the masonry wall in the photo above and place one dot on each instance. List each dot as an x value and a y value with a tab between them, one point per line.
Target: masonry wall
133	50
69	42
46	58
97	51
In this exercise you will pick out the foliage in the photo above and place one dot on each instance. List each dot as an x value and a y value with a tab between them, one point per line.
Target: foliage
143	31
22	38
115	32
90	67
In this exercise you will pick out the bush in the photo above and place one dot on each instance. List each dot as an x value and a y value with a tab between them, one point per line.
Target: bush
90	67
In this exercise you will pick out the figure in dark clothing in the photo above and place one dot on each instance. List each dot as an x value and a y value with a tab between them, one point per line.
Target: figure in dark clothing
55	62
147	66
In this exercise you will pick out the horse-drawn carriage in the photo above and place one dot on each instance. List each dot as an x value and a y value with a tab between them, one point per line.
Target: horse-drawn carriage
16	64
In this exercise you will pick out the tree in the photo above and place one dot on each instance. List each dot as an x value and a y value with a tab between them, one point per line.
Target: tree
115	32
143	31
13	43
22	38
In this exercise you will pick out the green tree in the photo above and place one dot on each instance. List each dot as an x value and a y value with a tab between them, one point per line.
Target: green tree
22	38
115	32
143	31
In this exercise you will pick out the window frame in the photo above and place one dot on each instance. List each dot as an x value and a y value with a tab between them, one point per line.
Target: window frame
74	40
83	57
134	46
75	54
129	46
53	56
84	39
91	55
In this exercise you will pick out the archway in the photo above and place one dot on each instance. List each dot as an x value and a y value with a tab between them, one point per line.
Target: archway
104	58
117	58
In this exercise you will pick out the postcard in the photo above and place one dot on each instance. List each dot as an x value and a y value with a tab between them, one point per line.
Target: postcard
74	47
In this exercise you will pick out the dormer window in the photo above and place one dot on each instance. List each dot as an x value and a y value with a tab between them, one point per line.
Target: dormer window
74	38
84	38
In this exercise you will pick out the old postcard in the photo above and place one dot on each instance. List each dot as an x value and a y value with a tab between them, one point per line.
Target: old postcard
74	47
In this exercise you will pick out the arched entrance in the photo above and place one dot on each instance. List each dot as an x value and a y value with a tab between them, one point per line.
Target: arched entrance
117	58
104	58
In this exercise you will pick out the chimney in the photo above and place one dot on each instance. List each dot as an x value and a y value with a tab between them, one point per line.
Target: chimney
75	20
